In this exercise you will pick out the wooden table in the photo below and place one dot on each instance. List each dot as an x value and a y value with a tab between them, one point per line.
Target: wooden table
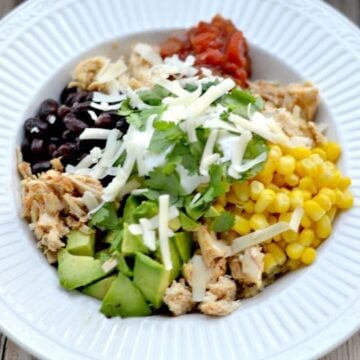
348	351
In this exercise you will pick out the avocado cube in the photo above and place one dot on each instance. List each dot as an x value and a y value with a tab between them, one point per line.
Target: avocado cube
151	278
175	259
175	224
184	245
75	271
131	244
123	266
100	288
79	243
124	299
212	212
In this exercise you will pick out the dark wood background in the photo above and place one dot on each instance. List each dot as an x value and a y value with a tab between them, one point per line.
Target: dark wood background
348	351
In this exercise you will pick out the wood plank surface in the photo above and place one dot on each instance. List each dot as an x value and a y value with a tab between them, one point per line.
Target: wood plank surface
348	351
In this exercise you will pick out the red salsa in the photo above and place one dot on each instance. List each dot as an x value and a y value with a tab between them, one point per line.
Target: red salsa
217	45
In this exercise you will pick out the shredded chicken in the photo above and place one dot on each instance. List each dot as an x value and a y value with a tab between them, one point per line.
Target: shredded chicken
52	204
211	248
248	267
305	96
223	289
178	298
218	307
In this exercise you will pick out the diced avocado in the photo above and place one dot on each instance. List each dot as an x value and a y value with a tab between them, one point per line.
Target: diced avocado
175	224
114	238
124	299
100	288
130	206
79	243
212	212
151	278
184	245
175	260
132	243
103	255
75	271
123	266
187	223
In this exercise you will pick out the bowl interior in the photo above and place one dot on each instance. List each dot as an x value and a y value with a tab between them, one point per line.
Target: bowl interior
265	66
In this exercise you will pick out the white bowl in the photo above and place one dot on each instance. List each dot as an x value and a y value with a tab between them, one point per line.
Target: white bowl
301	316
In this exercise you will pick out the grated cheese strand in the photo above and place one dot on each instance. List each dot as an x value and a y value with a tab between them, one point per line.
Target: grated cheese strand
296	219
200	278
208	151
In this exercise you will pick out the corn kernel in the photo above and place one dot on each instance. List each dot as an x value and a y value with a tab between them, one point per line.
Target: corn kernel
221	200
258	221
344	183
275	152
295	250
278	238
231	197
265	199
308	168
332	213
316	158
284	190
294	264
219	207
291	180
323	227
296	198
242	190
316	242
256	188
269	263
241	225
306	194
277	253
265	177
306	237
332	150
278	180
290	236
299	152
320	152
334	179
305	222
308	256
330	193
273	187
286	217
249	207
313	210
282	244
346	201
324	201
307	183
282	203
286	165
272	219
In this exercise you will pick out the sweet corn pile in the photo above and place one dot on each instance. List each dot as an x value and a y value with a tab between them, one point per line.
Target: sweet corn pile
291	177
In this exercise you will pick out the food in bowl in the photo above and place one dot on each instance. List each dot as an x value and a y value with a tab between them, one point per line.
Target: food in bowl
169	181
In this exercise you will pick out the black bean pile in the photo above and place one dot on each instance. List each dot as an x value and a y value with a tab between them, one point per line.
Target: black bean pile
54	131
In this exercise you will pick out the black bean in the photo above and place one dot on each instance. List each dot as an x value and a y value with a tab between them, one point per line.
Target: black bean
121	123
26	149
66	92
70	99
38	146
41	166
79	108
63	110
80	96
105	120
52	148
34	127
68	150
68	135
47	107
74	124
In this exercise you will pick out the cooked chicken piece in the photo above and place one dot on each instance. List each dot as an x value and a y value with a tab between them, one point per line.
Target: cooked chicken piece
57	164
248	267
305	95
178	298
315	133
140	71
218	269
24	169
86	71
224	288
211	248
52	202
218	307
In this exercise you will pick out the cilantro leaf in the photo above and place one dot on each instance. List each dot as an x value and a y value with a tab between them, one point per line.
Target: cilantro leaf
187	223
223	222
154	96
106	217
165	180
166	135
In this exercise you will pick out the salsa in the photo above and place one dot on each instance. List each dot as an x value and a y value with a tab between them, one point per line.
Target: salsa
218	45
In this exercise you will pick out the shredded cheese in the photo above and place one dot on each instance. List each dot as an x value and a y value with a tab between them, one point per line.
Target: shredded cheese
296	219
200	278
148	53
207	153
94	134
